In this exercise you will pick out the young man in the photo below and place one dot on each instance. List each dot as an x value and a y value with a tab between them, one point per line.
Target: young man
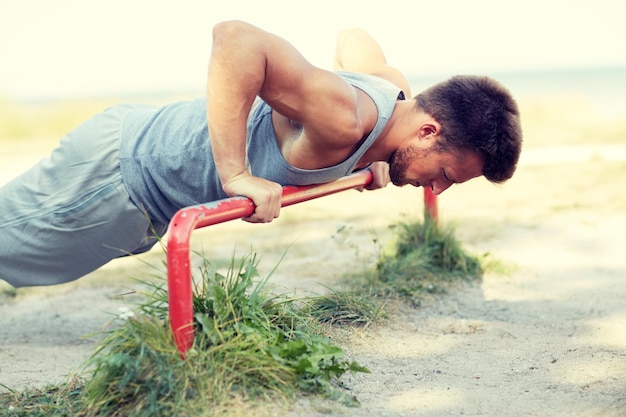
269	119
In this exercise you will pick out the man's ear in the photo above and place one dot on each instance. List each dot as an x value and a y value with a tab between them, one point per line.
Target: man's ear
430	128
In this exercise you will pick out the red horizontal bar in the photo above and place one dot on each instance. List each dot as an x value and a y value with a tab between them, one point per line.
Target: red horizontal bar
194	217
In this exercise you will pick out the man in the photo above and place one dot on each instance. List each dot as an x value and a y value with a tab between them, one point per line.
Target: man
273	119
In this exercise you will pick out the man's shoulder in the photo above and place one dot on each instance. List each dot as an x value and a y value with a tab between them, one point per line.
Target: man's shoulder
379	86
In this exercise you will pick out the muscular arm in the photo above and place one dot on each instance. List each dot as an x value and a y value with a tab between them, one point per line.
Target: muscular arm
246	62
234	79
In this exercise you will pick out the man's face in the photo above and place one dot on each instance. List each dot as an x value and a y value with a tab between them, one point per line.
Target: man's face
418	165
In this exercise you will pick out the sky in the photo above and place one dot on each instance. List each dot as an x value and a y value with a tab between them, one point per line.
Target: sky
80	48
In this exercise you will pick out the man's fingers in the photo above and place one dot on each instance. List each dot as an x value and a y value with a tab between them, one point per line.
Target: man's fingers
380	175
260	217
266	196
267	204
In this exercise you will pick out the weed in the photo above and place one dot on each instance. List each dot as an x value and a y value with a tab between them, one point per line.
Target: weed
426	260
346	308
52	401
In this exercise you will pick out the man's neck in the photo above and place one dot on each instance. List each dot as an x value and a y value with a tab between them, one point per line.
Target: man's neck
399	127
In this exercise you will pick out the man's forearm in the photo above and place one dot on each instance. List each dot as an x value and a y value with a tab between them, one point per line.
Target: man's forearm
235	76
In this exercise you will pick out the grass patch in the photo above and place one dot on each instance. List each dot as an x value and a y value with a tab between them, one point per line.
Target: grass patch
52	401
425	259
250	346
346	308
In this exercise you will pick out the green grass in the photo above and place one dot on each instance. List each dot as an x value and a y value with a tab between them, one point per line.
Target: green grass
51	401
250	346
426	259
346	308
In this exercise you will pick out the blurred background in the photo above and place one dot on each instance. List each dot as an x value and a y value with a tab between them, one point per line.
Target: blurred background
62	61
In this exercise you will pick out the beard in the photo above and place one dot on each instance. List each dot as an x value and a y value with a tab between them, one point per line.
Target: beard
400	161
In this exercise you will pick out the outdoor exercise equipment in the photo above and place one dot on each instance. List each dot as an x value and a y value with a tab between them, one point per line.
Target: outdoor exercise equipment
430	204
179	280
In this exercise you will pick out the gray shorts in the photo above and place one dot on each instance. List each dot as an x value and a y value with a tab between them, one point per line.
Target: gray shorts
70	213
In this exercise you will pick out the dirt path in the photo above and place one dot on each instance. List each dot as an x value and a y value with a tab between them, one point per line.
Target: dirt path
548	339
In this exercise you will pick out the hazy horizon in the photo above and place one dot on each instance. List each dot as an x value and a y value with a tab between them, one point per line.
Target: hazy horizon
73	48
527	81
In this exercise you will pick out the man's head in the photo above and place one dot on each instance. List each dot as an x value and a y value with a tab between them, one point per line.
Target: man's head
478	115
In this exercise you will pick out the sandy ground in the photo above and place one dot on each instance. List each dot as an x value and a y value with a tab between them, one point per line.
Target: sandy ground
547	339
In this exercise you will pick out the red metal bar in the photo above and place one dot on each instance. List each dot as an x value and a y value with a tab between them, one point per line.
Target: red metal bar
430	204
179	281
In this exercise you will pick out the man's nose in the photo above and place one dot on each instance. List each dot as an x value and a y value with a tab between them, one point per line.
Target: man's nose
439	187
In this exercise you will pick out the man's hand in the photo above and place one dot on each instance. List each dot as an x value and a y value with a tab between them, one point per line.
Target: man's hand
380	176
265	194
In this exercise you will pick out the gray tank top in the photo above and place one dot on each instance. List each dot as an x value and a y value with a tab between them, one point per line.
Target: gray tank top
167	163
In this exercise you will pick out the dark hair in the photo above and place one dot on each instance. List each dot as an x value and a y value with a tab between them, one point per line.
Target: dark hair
476	113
